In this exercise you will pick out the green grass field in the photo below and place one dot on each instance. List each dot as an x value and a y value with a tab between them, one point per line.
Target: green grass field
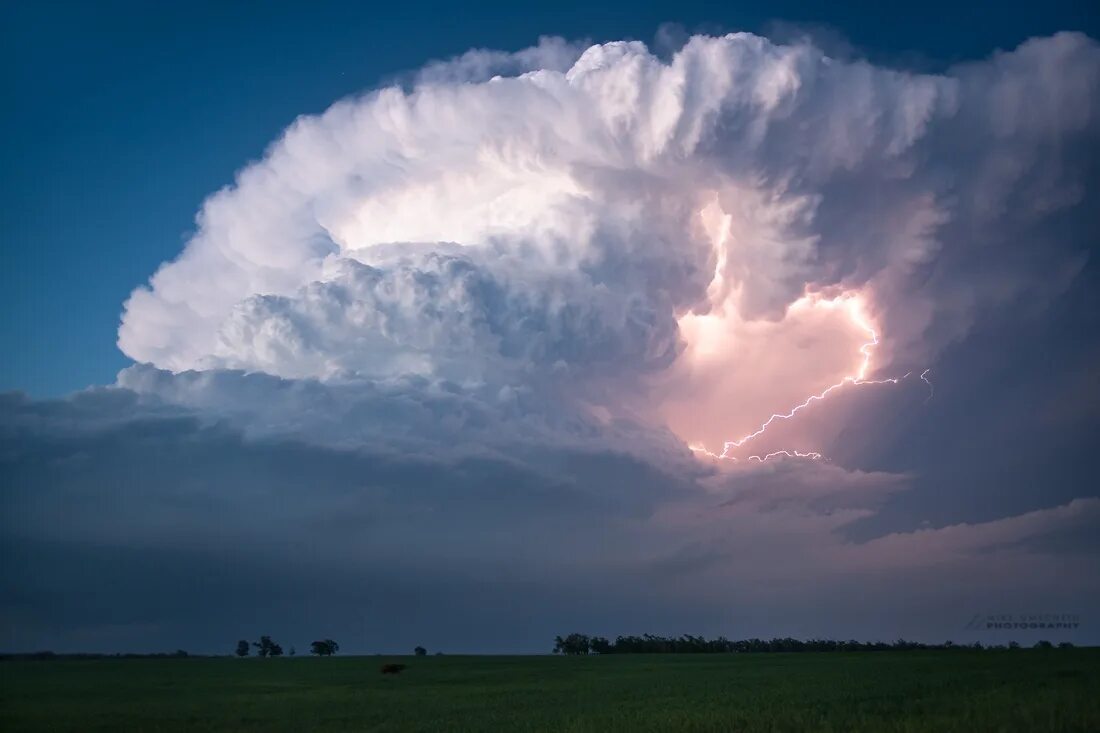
1022	690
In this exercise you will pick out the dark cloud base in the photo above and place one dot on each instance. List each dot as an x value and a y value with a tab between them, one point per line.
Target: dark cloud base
131	525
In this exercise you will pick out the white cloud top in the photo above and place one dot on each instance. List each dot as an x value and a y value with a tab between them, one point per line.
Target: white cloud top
493	229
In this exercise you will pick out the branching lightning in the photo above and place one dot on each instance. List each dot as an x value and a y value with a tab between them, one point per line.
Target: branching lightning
811	455
859	377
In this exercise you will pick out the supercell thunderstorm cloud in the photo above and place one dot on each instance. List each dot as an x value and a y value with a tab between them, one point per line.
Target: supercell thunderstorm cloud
663	238
578	335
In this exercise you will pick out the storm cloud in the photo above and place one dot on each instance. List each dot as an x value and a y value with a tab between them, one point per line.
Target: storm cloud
431	368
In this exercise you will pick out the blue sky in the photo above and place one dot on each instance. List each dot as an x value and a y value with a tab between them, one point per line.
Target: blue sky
123	116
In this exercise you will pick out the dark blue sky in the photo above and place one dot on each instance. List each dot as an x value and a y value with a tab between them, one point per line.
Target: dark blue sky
122	116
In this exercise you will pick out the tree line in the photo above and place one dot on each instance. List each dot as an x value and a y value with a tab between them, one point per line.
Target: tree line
49	655
580	644
266	647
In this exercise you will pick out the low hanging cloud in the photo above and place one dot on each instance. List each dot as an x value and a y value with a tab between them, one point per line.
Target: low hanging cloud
133	524
459	335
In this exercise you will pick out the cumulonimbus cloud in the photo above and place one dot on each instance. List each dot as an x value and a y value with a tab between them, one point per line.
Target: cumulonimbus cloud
608	217
438	329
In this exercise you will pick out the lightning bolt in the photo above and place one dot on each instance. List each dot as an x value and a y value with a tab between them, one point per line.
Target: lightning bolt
931	387
811	455
858	378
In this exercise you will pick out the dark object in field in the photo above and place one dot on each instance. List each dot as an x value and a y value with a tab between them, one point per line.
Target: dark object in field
392	668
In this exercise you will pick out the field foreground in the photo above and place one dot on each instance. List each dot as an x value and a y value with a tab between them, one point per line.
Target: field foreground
1020	690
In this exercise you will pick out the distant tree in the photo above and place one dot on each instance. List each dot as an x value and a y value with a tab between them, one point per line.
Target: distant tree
265	647
242	648
574	644
420	651
180	653
1043	644
292	651
1065	645
1013	645
600	645
324	648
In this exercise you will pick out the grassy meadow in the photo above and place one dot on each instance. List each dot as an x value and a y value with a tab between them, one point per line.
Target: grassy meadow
1019	690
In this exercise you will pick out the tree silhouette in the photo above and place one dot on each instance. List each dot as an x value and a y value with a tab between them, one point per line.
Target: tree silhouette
420	651
324	648
600	645
242	648
574	644
265	647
